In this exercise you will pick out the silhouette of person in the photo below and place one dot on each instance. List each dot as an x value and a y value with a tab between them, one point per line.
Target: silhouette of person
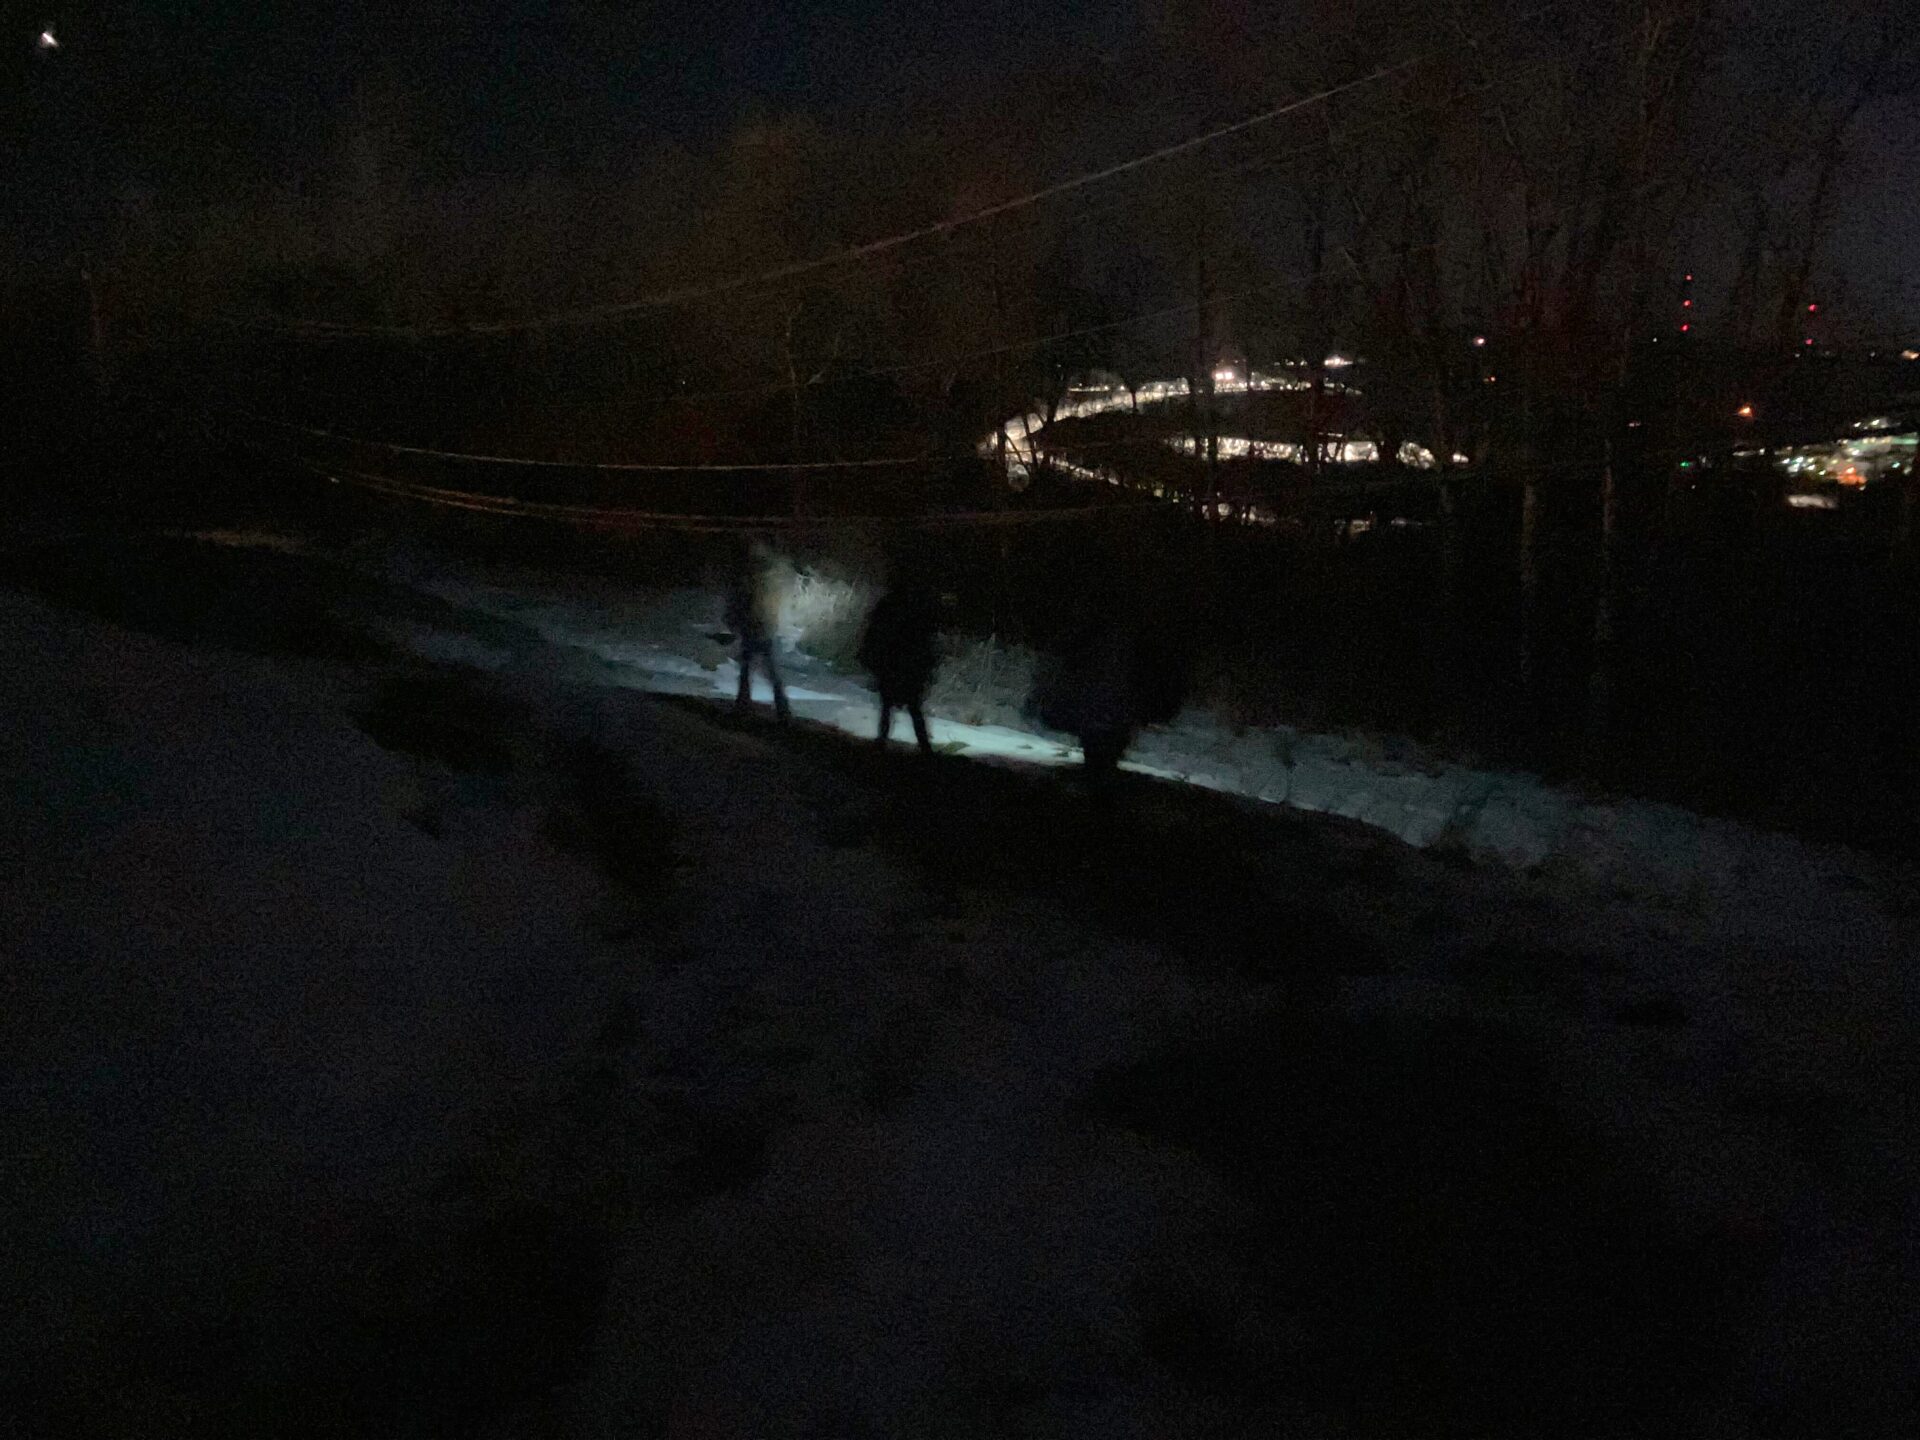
1091	695
1109	679
900	651
749	615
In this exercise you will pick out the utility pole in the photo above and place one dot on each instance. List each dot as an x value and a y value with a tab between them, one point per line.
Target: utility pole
795	476
1205	414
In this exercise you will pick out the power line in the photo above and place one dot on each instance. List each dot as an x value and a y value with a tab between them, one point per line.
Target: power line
800	269
1188	307
628	519
793	269
761	467
908	367
1245	166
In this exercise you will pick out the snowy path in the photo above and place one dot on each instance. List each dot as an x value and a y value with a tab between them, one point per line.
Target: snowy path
506	1053
1656	852
666	647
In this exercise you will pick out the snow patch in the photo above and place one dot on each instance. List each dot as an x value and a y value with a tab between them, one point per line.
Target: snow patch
1503	818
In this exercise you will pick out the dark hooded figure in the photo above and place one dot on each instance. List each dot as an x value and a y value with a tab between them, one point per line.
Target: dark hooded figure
749	615
900	650
1111	676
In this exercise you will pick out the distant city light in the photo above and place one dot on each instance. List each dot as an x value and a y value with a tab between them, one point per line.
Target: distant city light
49	41
1813	502
1807	341
1480	341
1689	279
1224	375
1687	304
1492	379
1910	354
1685	328
1337	362
1745	412
1812	309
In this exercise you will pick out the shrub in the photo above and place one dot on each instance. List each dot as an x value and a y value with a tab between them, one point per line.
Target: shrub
824	615
982	682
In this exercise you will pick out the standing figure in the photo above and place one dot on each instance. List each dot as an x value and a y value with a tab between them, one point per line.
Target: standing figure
1111	677
899	650
1088	692
749	615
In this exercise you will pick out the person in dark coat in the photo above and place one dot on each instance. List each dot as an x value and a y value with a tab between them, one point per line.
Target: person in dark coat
1111	676
749	615
900	650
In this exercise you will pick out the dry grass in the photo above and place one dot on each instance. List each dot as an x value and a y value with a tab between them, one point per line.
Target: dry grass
824	615
982	682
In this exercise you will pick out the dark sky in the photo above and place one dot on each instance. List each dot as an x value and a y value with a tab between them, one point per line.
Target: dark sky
492	80
189	97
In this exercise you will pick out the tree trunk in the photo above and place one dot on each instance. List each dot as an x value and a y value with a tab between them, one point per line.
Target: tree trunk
795	476
1529	577
97	369
1206	438
1529	540
1600	679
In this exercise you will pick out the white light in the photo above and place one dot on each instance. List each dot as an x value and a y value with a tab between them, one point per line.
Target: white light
1337	362
1223	376
1479	342
1813	502
49	41
1910	354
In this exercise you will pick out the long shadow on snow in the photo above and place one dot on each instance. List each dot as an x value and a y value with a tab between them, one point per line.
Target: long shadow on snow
1228	885
1431	1247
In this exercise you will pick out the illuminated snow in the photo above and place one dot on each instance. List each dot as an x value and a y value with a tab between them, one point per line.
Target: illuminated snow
1504	817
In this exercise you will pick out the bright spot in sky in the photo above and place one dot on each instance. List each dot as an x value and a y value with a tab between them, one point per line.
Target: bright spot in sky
48	40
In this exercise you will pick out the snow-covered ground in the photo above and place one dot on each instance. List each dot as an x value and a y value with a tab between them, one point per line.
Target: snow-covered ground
1657	852
488	1048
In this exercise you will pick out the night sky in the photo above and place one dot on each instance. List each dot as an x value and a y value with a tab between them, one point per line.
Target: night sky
512	80
182	100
